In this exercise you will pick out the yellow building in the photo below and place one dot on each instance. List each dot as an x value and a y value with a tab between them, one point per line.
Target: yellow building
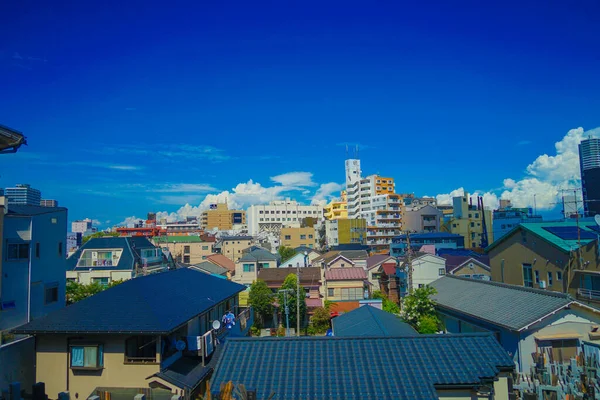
467	221
346	231
383	185
337	208
185	249
296	237
221	217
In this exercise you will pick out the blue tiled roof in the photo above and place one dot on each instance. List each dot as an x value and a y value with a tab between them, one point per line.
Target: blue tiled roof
432	235
131	251
370	321
33	210
152	304
359	368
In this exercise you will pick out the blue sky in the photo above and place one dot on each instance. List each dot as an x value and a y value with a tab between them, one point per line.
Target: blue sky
138	107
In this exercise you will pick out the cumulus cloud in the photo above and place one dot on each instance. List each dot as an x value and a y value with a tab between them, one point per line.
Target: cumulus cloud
544	178
326	192
96	222
294	179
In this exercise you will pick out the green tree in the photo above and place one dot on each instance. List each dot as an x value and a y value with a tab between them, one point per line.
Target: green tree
78	291
428	324
322	237
387	304
98	235
320	320
418	305
289	284
286	253
261	299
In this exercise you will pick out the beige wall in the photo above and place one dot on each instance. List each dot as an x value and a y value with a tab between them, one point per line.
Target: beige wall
337	285
232	249
296	237
245	278
221	218
86	277
342	263
197	251
476	270
53	367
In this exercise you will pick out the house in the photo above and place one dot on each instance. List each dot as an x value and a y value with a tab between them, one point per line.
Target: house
212	269
297	260
476	267
222	261
232	247
134	335
370	321
107	259
426	268
524	320
310	280
251	262
392	282
357	258
346	284
423	367
375	268
185	249
312	253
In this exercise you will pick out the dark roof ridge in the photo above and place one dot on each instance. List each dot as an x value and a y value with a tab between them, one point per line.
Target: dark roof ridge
328	338
514	287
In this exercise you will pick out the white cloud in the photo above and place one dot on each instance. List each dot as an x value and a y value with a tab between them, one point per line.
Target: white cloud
96	222
325	192
129	220
123	167
544	178
295	179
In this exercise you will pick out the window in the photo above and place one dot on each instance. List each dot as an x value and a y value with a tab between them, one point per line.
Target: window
37	250
262	219
51	293
537	276
476	215
470	215
60	253
204	247
17	251
310	236
342	265
204	257
549	278
87	357
186	259
101	281
302	237
421	285
186	249
558	276
330	292
472	224
140	349
351	293
527	275
248	267
442	271
288	237
260	212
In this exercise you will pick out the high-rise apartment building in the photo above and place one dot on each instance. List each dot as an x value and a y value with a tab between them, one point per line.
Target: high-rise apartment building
219	216
49	203
337	208
469	220
278	214
589	162
23	195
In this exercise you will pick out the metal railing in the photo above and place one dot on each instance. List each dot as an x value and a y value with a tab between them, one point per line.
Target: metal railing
588	294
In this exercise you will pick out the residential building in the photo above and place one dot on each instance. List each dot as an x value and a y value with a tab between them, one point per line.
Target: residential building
469	220
474	266
222	261
440	240
74	240
252	261
507	218
298	237
525	321
279	214
220	217
310	280
23	194
393	282
232	247
190	226
185	249
357	258
345	231
83	226
360	368
299	259
370	321
426	268
422	219
556	256
209	268
337	208
152	334
49	203
311	254
343	282
589	163
107	259
375	268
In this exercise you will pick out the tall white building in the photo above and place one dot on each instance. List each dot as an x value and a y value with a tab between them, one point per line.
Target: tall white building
278	214
81	226
24	195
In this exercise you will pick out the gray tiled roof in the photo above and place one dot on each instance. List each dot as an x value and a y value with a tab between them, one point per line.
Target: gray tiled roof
259	255
360	368
370	321
508	306
210	268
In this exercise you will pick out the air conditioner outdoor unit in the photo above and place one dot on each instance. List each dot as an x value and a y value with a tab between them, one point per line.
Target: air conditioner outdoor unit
542	284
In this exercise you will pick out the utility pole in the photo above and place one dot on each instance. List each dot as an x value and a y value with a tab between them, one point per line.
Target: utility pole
298	299
287	312
578	231
409	262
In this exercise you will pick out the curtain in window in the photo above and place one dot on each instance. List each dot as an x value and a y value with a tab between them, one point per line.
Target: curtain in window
100	356
90	358
77	356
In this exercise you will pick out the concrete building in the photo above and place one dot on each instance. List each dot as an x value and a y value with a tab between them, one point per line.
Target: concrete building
220	217
298	237
74	240
589	163
337	208
232	247
24	195
107	259
185	249
426	268
345	231
83	226
440	240
129	338
178	228
49	203
422	218
506	218
279	214
32	273
468	221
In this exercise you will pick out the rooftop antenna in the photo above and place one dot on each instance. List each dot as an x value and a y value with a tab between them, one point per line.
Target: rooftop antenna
357	152
346	151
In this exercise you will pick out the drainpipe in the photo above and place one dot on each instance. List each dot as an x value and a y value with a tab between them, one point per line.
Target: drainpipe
31	242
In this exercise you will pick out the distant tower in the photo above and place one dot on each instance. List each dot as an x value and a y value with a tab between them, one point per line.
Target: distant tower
589	163
353	176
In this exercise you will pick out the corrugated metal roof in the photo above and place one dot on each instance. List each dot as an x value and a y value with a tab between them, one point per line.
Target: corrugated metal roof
370	321
345	274
404	368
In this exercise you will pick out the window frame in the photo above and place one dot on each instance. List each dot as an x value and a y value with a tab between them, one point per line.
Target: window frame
135	360
527	267
441	271
99	356
54	287
19	251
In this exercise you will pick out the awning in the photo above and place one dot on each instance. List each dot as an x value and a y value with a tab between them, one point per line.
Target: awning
559	336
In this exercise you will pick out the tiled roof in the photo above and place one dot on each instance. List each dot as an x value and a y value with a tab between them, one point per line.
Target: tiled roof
537	228
185	373
232	238
349	254
360	368
33	210
152	304
345	274
390	268
457	252
210	268
302	249
259	255
509	306
430	235
131	247
178	239
370	321
221	261
308	275
428	248
377	259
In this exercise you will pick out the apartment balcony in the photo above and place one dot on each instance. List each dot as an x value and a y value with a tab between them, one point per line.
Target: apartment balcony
588	295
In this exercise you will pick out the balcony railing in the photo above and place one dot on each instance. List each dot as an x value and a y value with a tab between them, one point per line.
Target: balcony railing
588	294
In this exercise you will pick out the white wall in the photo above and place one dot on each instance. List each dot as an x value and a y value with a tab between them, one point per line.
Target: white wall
426	269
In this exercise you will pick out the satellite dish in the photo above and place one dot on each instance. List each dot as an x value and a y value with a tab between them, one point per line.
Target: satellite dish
216	324
597	219
180	345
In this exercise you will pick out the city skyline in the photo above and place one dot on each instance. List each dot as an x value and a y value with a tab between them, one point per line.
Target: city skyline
260	102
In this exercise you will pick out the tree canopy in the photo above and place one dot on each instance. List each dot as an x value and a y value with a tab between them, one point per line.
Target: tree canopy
387	304
290	284
261	299
97	235
418	309
78	291
286	253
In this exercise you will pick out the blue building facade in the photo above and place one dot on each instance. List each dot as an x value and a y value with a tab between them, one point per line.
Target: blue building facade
506	219
441	240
